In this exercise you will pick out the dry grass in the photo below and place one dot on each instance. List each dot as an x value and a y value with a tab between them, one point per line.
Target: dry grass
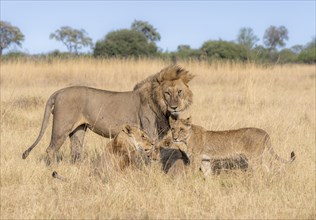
279	99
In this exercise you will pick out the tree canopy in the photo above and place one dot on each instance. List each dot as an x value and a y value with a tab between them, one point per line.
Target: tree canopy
275	37
124	43
147	29
140	41
72	38
247	38
224	50
9	35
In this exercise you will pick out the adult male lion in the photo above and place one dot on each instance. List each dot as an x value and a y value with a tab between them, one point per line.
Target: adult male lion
253	143
148	106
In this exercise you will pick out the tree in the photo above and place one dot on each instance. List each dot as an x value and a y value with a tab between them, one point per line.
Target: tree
73	39
275	36
287	56
147	29
308	54
183	47
224	50
9	35
247	38
312	44
124	43
297	48
184	51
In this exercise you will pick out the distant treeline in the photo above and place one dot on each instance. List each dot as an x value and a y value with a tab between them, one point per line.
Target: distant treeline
140	41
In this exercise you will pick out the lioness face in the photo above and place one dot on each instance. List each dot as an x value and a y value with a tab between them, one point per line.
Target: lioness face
180	129
140	139
177	96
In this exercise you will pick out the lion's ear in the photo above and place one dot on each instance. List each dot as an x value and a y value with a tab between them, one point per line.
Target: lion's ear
127	129
186	78
188	121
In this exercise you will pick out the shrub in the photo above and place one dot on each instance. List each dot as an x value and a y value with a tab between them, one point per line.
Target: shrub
124	43
308	55
224	50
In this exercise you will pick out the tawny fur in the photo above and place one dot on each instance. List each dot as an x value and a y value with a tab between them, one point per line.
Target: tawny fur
254	143
131	147
215	165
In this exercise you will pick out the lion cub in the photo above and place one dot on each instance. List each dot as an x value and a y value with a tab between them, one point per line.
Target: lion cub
171	155
253	143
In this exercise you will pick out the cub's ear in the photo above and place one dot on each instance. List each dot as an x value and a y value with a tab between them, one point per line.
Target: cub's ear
127	129
188	121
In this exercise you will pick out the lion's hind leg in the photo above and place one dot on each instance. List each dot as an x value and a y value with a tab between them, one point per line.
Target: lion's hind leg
76	142
61	130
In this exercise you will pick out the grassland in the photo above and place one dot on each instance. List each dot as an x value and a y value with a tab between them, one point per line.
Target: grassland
279	99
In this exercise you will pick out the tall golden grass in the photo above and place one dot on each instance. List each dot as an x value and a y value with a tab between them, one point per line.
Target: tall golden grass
279	99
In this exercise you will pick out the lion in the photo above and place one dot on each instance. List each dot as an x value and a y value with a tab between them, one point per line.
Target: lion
132	147
163	95
170	154
251	142
215	165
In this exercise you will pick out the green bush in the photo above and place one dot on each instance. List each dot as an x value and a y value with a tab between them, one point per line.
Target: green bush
224	50
124	43
287	56
308	55
15	55
185	52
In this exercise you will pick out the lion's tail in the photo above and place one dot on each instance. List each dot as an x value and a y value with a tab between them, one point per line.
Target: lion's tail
276	156
57	176
48	109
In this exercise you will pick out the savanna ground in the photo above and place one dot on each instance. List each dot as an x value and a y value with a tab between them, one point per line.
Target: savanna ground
279	99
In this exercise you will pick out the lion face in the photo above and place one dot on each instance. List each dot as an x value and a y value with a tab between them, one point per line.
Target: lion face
177	96
180	129
171	90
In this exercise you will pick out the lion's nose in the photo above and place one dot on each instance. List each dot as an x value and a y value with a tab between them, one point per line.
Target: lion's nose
174	107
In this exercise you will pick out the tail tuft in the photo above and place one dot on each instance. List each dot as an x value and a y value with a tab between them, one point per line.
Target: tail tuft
293	156
25	154
55	174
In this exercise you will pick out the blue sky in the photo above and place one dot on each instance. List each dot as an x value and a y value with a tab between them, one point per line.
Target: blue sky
178	22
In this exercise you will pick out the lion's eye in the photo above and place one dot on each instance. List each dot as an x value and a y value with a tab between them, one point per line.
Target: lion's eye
180	92
181	129
167	94
172	129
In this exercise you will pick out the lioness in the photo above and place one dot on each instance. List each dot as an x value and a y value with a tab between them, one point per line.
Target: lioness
148	106
131	147
215	165
252	142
